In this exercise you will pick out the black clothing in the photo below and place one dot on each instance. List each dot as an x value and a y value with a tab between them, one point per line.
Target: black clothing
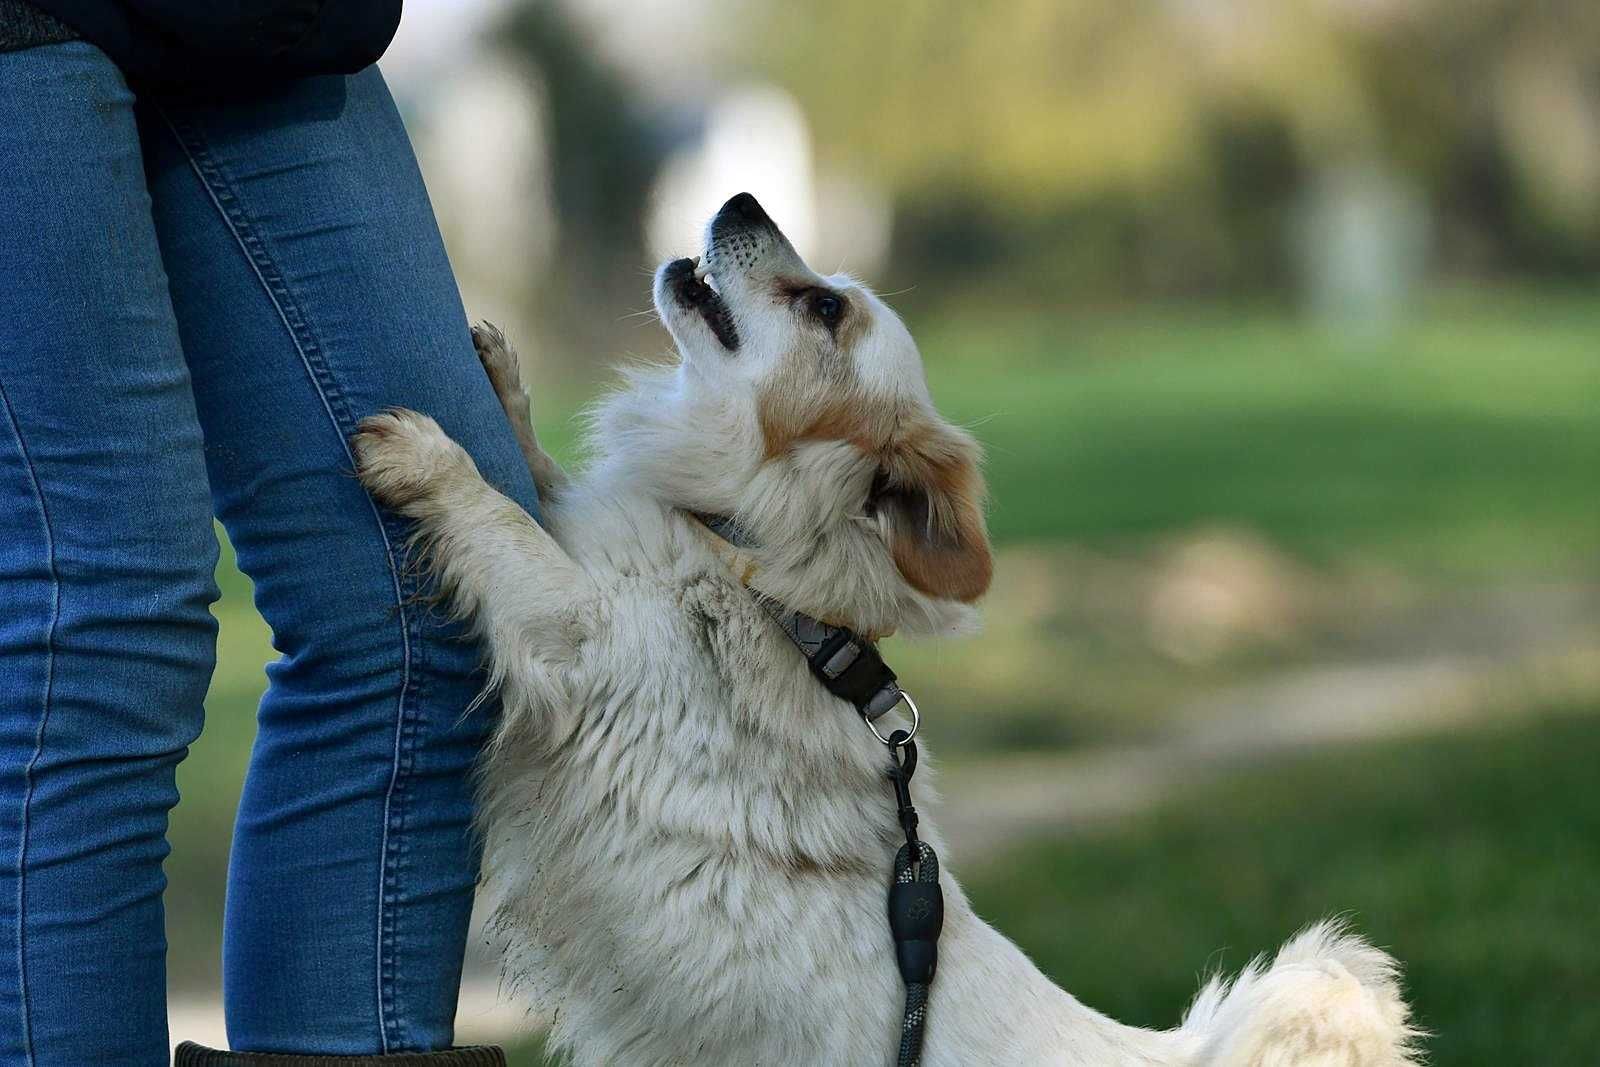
22	26
217	44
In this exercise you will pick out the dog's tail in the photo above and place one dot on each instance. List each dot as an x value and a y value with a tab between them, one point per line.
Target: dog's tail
1328	999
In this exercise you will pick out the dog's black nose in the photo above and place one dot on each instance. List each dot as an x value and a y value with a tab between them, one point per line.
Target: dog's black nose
742	209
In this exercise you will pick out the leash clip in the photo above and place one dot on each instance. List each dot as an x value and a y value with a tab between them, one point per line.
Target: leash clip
903	753
916	723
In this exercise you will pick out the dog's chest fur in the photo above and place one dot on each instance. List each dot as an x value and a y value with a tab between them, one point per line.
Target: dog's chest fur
702	855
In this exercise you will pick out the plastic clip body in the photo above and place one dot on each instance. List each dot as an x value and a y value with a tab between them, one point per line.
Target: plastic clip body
916	903
916	916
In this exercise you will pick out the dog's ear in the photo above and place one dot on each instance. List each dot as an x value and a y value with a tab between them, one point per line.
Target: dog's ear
929	496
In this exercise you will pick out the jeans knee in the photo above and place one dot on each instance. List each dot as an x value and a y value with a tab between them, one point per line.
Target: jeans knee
133	645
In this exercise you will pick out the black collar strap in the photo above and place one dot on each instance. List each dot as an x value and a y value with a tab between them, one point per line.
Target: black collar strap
845	663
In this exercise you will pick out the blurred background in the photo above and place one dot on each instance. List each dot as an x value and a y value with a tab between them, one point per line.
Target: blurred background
1279	321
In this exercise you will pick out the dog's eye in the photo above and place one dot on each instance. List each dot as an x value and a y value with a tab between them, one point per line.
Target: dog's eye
827	307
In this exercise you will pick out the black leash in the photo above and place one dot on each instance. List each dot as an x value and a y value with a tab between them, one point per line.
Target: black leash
850	668
916	904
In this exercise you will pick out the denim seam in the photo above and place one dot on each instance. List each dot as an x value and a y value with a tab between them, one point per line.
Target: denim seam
220	190
44	717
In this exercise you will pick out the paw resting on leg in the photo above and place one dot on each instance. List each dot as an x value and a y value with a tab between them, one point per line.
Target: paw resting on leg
404	459
500	364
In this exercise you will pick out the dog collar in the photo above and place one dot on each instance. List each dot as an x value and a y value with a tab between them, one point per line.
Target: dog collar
847	664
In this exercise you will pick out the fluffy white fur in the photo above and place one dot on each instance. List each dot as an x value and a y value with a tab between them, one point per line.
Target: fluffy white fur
687	839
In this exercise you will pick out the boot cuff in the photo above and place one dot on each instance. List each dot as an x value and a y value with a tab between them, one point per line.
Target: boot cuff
190	1054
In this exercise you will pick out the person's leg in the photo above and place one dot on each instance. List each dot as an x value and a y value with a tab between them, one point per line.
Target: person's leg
312	289
106	565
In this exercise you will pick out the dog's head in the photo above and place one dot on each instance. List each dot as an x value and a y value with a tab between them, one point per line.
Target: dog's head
799	408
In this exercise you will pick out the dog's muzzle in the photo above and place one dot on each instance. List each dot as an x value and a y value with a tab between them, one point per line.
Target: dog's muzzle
691	292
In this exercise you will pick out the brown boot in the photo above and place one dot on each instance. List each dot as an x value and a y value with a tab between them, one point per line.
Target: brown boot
190	1054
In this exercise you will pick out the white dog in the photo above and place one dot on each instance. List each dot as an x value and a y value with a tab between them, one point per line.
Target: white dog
687	838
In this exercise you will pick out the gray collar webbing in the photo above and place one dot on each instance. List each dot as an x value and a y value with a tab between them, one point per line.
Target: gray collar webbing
847	664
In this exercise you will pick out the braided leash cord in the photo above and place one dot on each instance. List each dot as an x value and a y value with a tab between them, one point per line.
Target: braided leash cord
916	903
925	872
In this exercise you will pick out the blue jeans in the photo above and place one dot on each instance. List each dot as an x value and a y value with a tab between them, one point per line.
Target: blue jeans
198	301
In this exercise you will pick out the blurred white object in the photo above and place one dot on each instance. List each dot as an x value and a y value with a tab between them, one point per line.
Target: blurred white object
853	224
1361	242
756	139
436	37
481	142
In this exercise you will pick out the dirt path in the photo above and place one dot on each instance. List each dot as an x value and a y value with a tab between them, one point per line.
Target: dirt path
990	805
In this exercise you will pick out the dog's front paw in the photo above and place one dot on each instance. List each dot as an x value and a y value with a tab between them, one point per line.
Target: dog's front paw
499	361
403	458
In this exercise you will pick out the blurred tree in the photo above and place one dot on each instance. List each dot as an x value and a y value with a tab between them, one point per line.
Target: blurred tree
1033	102
604	151
1158	143
1495	105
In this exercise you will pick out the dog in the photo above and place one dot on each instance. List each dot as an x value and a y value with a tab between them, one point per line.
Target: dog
687	839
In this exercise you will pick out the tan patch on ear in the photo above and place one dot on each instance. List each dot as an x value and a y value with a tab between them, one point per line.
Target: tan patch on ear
942	550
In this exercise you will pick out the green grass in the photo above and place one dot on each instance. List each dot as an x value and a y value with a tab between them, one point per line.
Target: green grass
209	781
1468	443
1475	859
529	1053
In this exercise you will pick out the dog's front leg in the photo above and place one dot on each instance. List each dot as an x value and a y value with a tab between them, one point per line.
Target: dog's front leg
527	599
500	363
